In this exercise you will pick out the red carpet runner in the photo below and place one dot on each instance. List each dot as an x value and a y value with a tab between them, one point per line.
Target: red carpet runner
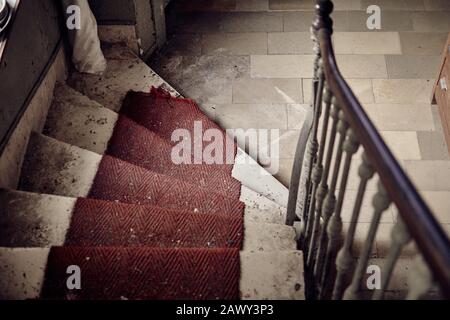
144	273
117	180
163	114
102	223
153	230
138	145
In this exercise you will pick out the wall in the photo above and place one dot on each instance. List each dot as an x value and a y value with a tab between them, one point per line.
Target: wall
33	42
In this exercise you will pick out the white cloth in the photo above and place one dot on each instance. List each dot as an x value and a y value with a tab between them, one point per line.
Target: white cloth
87	55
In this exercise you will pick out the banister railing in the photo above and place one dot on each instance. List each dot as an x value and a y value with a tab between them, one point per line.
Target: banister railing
336	127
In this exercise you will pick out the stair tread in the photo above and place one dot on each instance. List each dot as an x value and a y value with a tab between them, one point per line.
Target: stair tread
53	167
37	220
77	120
125	72
264	275
108	232
144	273
137	145
110	90
61	169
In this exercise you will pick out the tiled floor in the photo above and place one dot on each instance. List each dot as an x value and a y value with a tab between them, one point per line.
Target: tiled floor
249	64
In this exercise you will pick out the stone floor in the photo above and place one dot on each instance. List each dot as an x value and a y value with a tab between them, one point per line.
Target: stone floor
249	65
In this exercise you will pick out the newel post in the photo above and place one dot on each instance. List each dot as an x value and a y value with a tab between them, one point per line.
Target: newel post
324	8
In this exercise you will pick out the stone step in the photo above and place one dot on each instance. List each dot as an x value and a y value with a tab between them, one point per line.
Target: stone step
57	168
264	275
40	220
128	72
79	121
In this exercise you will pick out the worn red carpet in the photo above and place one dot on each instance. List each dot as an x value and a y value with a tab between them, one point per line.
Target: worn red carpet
103	223
115	273
161	113
140	146
117	180
151	229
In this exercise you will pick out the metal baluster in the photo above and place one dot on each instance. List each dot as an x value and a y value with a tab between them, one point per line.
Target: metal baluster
420	279
304	191
323	188
322	20
400	237
345	261
308	210
381	203
331	144
334	230
319	176
330	199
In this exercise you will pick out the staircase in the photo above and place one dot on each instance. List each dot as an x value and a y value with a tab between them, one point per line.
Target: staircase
102	211
98	191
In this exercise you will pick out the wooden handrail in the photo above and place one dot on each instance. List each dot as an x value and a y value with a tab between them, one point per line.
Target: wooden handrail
431	239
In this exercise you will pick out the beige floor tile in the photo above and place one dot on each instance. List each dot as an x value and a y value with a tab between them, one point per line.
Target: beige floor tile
401	117
296	115
367	43
252	5
288	143
423	43
403	144
360	238
302	21
214	22
432	21
252	116
354	179
362	66
437	118
281	66
297	21
384	241
437	5
432	145
251	22
395	5
429	175
274	144
348	5
206	5
290	43
291	5
183	45
412	66
402	90
390	21
267	91
361	87
367	210
234	43
439	203
309	5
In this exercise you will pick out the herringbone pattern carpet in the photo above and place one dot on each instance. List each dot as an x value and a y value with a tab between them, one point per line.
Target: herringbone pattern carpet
144	273
140	146
103	223
151	229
